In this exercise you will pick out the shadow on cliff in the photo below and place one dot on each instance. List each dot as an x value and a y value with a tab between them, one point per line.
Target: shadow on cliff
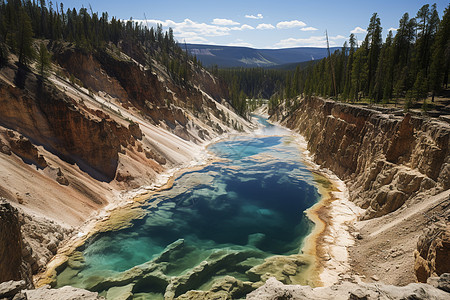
47	117
76	138
21	75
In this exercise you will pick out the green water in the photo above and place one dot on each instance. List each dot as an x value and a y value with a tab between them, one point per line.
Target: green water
250	203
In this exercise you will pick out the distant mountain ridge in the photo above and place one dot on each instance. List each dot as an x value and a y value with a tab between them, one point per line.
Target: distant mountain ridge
232	56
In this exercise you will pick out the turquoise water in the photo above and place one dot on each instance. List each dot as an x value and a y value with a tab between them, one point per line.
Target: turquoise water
254	198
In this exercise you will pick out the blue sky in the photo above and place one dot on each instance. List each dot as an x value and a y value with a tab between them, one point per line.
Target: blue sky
262	24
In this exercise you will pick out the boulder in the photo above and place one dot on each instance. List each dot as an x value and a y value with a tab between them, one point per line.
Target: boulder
443	282
66	293
10	288
274	289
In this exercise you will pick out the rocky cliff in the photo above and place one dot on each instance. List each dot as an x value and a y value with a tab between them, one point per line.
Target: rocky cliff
396	167
27	243
432	256
49	118
385	159
12	265
151	91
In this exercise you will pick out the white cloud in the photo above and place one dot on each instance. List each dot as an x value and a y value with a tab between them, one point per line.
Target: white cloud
194	32
308	29
243	27
258	16
290	24
224	22
191	37
392	29
358	30
263	26
313	41
201	29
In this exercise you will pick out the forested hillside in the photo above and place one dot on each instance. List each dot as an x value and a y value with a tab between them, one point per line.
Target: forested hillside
21	21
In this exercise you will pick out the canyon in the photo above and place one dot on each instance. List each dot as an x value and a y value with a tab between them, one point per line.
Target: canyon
103	128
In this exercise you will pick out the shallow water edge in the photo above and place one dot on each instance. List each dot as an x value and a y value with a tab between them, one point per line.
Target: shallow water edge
121	217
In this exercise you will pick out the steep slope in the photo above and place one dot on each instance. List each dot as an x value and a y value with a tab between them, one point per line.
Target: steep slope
397	168
100	126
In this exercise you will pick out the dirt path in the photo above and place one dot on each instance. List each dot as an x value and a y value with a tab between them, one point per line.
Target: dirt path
385	251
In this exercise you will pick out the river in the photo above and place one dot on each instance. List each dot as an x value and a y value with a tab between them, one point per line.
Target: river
243	208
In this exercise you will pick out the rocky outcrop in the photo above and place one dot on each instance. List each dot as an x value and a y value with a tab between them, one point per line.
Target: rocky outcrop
26	243
9	289
51	119
40	239
86	68
17	290
432	257
385	160
284	268
22	147
12	266
274	289
67	293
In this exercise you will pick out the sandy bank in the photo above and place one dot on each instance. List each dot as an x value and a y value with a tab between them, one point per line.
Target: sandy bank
118	214
327	243
330	238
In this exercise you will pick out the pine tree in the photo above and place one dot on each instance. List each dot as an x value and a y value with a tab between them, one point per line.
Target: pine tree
360	71
43	60
373	43
24	38
440	64
383	79
427	24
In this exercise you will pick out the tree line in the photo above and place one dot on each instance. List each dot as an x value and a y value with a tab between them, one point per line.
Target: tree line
410	65
22	21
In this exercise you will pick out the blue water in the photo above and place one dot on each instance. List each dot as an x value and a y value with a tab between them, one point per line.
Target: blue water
253	198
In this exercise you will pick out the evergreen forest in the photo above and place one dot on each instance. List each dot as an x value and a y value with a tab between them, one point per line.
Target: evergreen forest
410	64
25	23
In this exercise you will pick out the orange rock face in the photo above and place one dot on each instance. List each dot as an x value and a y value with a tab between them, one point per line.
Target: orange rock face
47	117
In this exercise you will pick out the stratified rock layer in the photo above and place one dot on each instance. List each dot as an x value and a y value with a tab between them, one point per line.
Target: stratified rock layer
397	167
49	118
385	160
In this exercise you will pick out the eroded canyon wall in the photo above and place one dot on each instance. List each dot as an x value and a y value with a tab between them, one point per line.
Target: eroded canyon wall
385	160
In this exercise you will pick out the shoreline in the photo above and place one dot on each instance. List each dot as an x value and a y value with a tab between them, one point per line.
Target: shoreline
330	238
329	215
121	210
